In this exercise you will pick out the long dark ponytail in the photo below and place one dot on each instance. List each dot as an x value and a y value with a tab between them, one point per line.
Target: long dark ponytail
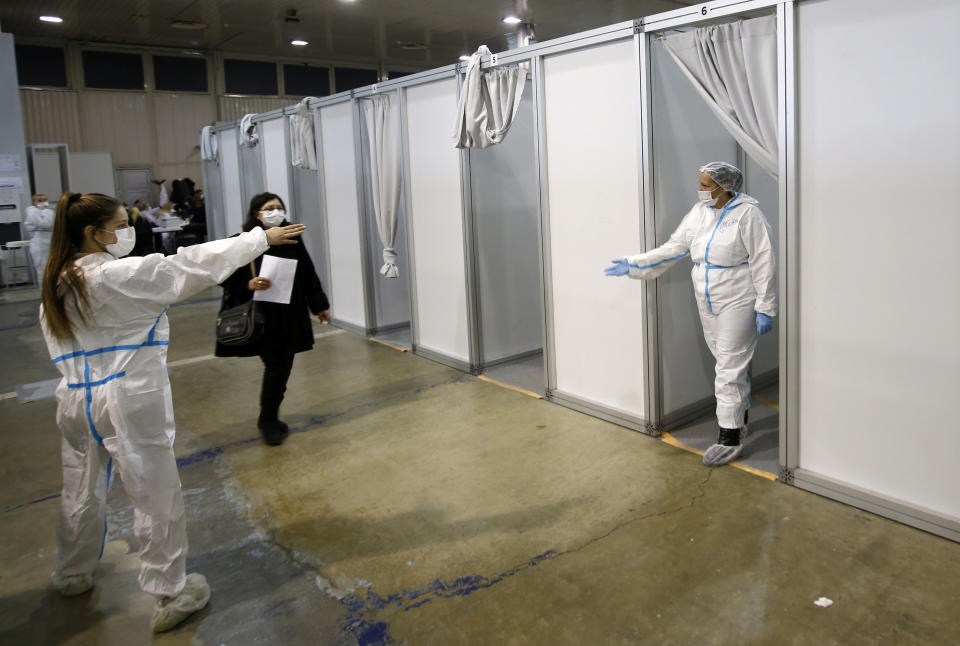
75	212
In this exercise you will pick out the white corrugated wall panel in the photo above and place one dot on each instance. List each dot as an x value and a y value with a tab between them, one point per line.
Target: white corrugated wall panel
121	122
179	120
232	108
51	117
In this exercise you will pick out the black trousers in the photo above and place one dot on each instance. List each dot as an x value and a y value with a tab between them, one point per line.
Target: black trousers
276	372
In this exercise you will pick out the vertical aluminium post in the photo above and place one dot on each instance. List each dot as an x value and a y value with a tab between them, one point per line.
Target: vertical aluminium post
366	253
789	244
322	202
651	320
549	335
408	216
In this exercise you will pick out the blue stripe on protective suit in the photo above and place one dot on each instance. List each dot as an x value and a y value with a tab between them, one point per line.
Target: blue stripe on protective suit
706	254
656	264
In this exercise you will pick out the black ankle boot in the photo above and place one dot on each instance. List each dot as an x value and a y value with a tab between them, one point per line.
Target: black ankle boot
729	437
274	431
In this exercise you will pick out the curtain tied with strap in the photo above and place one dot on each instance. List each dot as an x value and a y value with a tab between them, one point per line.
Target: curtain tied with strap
488	103
381	119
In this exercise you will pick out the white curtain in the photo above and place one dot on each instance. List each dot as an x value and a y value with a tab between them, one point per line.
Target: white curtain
303	147
488	103
248	131
382	119
209	145
734	68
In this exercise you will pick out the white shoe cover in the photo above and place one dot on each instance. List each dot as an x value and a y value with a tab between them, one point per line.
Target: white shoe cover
73	584
720	454
170	612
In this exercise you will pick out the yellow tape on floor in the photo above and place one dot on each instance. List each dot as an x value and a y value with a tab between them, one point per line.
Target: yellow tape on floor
528	393
390	345
672	441
763	400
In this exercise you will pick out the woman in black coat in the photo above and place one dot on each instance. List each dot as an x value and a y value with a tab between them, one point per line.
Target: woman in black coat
287	329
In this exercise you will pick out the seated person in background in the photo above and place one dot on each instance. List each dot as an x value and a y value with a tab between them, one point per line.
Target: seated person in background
144	232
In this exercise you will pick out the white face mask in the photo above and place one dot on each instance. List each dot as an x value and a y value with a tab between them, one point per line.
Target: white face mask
273	218
126	239
43	205
706	197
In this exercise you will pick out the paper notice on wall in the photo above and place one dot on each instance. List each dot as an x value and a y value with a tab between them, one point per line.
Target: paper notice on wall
281	272
11	163
12	182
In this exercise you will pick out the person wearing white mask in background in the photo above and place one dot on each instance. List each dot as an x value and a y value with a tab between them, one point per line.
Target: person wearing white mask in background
104	321
39	225
287	328
734	279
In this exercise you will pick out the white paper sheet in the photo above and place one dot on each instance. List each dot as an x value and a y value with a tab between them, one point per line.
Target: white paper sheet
280	271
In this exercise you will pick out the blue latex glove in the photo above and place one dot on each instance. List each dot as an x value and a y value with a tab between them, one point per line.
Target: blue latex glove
620	267
764	323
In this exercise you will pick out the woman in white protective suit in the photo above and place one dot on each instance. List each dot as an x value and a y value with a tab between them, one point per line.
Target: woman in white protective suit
734	280
39	224
104	321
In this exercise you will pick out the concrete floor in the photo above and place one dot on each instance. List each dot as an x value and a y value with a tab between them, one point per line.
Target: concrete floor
414	504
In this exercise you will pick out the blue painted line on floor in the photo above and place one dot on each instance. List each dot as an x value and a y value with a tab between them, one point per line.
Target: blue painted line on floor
377	634
32	502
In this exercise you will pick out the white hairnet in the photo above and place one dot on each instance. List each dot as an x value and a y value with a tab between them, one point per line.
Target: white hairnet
727	176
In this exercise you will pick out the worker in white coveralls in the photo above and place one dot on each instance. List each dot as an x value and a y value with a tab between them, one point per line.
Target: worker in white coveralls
104	322
39	226
734	278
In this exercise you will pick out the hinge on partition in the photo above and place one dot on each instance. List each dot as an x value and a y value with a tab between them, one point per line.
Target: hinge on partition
638	26
786	476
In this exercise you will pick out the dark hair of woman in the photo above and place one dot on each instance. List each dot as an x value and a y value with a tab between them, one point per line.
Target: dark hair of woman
75	212
256	203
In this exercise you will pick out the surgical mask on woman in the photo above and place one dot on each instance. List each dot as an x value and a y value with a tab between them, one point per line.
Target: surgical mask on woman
273	218
126	240
43	205
706	197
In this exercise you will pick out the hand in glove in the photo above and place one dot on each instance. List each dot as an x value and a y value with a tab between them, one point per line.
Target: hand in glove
764	323
620	267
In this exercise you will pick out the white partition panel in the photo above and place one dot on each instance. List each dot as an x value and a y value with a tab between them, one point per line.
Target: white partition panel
437	220
213	199
46	175
233	208
686	135
251	174
276	161
591	111
306	195
342	212
506	210
879	151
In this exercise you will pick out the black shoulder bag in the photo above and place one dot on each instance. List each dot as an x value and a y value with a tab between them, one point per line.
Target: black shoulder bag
243	324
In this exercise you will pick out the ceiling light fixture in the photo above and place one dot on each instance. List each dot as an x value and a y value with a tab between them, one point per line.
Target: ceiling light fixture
51	18
299	43
512	20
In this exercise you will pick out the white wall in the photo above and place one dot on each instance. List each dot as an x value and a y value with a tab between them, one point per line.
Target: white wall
437	219
506	208
591	120
879	150
342	212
